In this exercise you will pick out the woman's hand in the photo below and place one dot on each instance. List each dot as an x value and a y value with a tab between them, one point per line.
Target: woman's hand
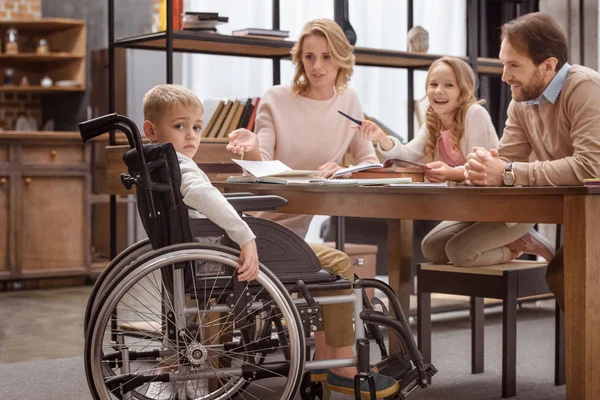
329	169
370	131
242	141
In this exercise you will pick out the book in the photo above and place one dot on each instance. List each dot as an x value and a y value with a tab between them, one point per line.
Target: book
387	166
225	127
277	172
252	119
216	128
260	32
415	174
215	115
246	114
235	121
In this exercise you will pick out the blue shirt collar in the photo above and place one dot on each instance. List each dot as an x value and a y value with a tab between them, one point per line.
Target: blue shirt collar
555	86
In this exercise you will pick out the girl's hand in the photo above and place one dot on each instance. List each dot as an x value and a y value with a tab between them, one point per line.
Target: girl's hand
370	131
439	172
242	141
329	169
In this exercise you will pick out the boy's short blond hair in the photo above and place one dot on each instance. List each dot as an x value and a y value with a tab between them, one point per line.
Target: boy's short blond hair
162	97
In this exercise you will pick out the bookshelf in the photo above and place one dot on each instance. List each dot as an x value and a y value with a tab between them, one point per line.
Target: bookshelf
191	42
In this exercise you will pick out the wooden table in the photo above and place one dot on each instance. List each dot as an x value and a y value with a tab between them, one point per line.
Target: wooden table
578	208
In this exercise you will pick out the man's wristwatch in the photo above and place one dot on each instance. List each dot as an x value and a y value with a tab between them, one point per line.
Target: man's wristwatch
508	177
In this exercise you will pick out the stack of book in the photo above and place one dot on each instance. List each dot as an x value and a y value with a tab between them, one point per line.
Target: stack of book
271	34
225	116
202	21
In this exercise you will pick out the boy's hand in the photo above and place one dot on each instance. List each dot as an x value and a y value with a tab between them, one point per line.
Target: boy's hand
242	141
248	262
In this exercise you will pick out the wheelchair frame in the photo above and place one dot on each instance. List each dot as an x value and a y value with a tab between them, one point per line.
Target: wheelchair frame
177	259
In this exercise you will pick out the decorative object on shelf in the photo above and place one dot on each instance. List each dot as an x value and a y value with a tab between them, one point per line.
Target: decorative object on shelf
11	46
46	81
8	76
42	47
418	40
67	83
24	81
340	15
49	125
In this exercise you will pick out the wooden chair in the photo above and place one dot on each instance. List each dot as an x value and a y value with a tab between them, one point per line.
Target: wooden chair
508	282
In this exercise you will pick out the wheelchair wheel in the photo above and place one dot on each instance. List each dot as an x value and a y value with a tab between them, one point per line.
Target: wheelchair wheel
178	325
116	266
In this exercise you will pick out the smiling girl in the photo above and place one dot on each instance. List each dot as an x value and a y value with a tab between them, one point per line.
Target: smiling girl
455	122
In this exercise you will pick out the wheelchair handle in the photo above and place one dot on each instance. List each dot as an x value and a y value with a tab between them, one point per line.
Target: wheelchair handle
97	126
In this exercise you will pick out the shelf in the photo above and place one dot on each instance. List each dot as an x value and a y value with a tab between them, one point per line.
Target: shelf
210	43
33	57
40	89
40	135
42	25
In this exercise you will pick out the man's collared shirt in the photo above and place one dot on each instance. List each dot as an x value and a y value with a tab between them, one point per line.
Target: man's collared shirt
554	88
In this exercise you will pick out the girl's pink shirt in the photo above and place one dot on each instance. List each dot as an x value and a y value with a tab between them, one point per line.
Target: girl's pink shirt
449	152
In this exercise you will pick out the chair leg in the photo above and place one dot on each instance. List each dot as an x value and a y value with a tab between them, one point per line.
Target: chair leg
509	336
559	348
477	324
424	324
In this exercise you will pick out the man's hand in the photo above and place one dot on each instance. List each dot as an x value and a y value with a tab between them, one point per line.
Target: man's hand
484	168
328	169
242	141
248	262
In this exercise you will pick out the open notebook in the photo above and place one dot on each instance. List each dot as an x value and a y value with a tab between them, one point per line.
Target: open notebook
277	172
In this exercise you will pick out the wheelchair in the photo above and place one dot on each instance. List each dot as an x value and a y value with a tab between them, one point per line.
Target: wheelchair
168	319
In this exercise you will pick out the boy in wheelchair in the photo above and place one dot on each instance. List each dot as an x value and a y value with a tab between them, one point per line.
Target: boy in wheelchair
173	114
160	325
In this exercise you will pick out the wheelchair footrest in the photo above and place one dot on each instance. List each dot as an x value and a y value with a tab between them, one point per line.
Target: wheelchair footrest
412	381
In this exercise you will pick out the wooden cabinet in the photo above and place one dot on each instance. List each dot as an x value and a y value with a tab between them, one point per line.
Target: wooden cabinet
5	223
44	206
65	60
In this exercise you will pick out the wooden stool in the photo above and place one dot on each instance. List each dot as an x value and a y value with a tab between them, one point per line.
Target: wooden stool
507	282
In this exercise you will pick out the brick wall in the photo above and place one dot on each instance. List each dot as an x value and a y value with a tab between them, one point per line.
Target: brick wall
13	105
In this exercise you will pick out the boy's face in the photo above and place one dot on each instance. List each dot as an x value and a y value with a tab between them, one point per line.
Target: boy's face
179	126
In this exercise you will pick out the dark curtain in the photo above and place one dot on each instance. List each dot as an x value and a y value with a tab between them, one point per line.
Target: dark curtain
492	14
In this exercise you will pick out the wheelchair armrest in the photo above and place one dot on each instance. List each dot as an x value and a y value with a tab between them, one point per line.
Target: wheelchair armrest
256	203
238	194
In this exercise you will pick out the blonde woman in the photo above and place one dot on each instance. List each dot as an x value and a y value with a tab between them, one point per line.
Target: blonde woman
455	124
300	126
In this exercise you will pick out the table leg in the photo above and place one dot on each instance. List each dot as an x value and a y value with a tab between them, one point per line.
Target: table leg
582	298
399	262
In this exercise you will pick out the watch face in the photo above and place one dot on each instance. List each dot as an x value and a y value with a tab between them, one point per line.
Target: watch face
509	178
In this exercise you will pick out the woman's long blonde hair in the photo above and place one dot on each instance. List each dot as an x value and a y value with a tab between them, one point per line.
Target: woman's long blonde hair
467	83
339	48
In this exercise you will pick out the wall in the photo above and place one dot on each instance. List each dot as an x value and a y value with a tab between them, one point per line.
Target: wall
566	13
13	105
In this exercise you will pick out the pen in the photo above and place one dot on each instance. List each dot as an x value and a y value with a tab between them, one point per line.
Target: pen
356	121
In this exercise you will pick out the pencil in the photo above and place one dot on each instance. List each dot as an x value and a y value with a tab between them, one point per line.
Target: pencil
356	121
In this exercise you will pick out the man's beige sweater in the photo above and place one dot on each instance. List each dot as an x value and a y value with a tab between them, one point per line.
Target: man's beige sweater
564	137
